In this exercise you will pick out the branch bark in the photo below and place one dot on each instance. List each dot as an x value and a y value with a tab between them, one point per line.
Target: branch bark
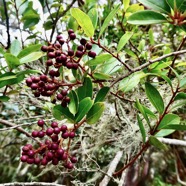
172	141
111	169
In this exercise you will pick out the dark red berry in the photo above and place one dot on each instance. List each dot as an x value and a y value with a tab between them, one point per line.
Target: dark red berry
49	131
63	128
67	99
83	41
37	160
69	165
49	62
35	79
29	146
25	148
31	153
70	31
54	138
57	130
54	124
57	45
34	86
54	146
58	53
57	74
50	49
29	82
55	161
65	135
44	161
43	77
41	134
41	84
44	48
73	159
70	52
40	123
79	53
52	73
59	96
35	134
49	155
72	36
59	37
24	158
30	160
61	41
69	65
88	46
60	152
63	58
36	94
51	55
63	104
75	66
71	134
92	54
64	92
80	47
64	156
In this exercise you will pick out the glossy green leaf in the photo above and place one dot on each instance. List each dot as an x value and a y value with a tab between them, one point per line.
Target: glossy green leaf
179	5
28	50
60	113
101	95
84	106
142	129
31	57
101	76
154	97
99	59
151	36
146	17
95	113
169	119
93	14
140	108
7	76
160	6
179	96
108	19
15	47
156	143
175	127
73	105
12	61
149	112
130	82
84	21
86	90
4	98
164	132
123	40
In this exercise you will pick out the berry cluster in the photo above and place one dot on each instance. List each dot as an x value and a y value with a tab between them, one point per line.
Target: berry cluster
52	150
59	54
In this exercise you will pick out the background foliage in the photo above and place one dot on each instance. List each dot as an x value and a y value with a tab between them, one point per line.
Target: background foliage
137	80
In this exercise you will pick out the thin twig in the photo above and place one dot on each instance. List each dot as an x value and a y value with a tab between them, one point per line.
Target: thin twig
7	123
147	64
172	141
7	24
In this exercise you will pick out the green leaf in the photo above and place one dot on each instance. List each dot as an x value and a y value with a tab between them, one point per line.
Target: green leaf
142	129
28	50
108	19
146	17
101	76
31	57
73	105
60	113
102	94
175	127
15	47
179	5
183	82
86	90
149	112
123	40
131	81
164	132
84	21
7	76
4	98
84	106
99	59
140	108
95	113
93	14
154	97
160	6
12	61
169	119
126	4
156	143
179	96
